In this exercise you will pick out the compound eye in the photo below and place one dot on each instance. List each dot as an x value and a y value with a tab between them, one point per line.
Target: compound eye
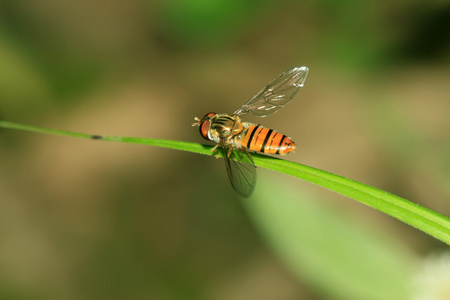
205	125
209	115
204	129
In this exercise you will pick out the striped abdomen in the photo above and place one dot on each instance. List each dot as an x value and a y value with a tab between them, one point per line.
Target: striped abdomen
260	139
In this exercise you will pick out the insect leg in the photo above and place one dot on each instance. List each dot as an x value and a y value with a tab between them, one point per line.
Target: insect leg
215	150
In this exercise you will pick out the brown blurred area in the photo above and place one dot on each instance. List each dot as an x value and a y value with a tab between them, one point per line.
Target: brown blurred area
85	219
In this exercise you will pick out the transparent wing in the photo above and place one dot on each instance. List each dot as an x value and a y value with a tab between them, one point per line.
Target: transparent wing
276	94
241	170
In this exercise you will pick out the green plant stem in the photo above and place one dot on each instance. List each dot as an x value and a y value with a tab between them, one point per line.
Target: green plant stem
413	214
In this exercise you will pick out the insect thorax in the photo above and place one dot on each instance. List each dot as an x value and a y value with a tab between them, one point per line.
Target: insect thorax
226	127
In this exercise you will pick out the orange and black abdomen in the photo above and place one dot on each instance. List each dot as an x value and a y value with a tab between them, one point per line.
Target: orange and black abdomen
261	139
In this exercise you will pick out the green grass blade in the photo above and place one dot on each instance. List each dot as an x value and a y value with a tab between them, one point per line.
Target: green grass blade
413	214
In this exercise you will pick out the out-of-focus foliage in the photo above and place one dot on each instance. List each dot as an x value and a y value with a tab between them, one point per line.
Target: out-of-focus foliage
89	220
326	246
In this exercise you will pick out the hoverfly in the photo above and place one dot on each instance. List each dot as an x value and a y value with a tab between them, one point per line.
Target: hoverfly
236	137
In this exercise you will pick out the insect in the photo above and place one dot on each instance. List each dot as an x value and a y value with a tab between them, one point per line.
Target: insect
236	137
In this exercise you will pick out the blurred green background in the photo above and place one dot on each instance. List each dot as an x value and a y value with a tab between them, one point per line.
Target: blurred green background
89	220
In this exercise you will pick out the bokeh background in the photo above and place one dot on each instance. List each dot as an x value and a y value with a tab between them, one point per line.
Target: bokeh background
84	219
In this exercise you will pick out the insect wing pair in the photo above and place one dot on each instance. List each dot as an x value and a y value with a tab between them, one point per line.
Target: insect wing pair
236	137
